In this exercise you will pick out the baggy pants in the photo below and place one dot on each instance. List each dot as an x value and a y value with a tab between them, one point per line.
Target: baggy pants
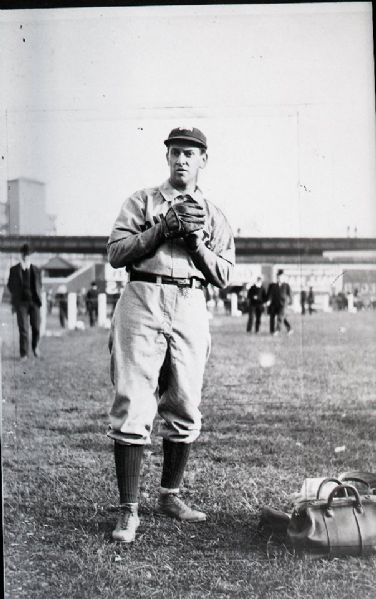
152	321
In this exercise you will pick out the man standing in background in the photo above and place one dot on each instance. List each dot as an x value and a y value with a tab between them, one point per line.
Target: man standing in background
92	303
256	300
311	300
303	301
25	286
278	298
62	302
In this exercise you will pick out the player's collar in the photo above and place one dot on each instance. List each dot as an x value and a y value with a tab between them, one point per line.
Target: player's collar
170	193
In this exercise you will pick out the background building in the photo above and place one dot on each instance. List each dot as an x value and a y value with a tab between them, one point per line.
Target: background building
4	218
25	211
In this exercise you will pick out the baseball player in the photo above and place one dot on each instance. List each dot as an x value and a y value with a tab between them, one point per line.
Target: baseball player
256	300
173	242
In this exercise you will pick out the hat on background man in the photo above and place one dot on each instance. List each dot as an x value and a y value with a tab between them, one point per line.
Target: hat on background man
25	249
191	135
279	272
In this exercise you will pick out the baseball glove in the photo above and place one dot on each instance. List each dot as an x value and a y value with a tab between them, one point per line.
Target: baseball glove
183	219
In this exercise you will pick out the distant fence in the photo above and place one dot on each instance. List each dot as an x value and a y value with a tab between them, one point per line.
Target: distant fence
245	246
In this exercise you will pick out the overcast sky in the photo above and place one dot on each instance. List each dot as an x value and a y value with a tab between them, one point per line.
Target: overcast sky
284	93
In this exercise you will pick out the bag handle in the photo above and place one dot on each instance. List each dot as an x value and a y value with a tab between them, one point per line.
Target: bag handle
367	477
356	479
334	493
328	480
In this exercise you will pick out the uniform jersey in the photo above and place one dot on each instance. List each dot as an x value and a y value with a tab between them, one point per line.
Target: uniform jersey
134	237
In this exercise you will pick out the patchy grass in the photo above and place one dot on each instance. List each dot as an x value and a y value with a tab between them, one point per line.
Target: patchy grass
264	430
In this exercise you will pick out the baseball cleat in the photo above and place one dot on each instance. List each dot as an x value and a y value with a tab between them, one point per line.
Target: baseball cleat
169	504
127	524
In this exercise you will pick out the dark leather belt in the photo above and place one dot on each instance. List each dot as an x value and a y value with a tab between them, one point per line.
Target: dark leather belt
165	280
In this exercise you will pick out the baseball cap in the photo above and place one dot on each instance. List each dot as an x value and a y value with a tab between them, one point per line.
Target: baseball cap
190	134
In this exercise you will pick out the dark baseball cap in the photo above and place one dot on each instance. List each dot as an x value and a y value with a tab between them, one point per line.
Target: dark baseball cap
192	135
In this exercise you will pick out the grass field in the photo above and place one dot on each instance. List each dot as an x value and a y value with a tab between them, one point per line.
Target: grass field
264	430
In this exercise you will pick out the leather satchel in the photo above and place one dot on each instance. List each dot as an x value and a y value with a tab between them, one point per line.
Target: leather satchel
342	524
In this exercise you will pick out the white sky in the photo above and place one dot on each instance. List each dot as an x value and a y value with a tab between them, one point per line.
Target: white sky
284	93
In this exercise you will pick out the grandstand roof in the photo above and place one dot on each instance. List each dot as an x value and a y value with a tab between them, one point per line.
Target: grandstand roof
58	263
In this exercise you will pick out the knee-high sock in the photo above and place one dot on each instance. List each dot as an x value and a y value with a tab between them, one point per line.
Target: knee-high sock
175	457
128	459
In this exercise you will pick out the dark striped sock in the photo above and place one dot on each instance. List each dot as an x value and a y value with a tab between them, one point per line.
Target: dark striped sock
128	460
175	457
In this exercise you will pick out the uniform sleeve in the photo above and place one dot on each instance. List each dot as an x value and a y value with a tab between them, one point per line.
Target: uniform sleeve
216	258
129	241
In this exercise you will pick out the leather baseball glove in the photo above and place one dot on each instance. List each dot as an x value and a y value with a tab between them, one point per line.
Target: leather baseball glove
183	219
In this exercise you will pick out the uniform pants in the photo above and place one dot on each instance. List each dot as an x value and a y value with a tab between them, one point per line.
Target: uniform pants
153	322
254	313
28	311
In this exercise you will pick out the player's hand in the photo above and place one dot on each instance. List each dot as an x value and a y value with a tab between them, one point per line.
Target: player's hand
193	240
183	218
191	215
171	223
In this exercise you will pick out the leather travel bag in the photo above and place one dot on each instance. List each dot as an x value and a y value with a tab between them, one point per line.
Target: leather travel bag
344	523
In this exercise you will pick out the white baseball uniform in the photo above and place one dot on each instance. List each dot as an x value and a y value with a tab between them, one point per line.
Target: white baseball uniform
162	311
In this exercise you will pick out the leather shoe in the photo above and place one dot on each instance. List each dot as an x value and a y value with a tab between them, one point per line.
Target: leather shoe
127	524
169	504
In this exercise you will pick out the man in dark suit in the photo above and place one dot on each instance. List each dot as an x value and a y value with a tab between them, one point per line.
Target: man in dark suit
303	300
278	298
25	286
256	300
311	300
92	303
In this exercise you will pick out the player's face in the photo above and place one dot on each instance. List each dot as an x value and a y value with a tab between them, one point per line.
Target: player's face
185	161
